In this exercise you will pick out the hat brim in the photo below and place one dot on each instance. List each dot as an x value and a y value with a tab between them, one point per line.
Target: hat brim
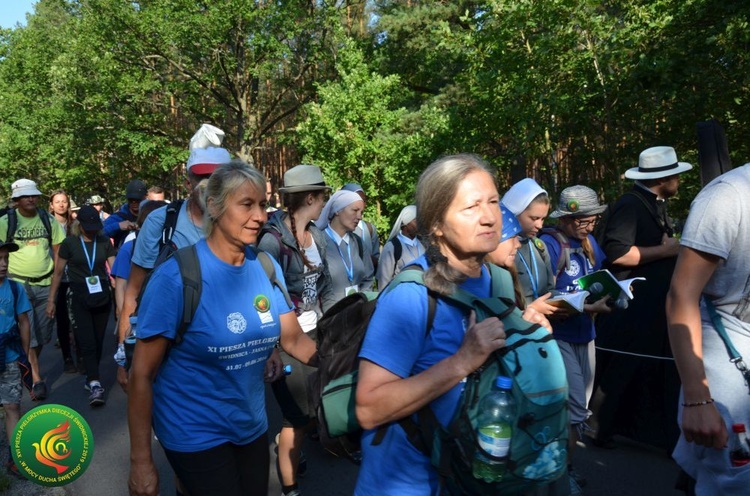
10	246
581	213
203	169
635	173
92	226
297	189
26	192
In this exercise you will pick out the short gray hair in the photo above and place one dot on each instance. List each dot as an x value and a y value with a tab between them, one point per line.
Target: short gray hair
224	181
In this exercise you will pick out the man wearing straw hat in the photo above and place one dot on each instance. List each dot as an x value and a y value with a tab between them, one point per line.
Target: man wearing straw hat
638	382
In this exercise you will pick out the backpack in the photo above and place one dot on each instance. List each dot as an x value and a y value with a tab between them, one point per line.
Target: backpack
12	338
13	224
563	261
166	246
538	452
192	285
339	336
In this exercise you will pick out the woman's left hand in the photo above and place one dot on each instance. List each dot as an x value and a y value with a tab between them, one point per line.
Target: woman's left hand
536	317
274	369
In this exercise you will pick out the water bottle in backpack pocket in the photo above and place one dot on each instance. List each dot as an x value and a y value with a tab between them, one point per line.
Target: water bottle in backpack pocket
539	432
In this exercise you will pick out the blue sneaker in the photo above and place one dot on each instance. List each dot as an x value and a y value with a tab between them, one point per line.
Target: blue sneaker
96	398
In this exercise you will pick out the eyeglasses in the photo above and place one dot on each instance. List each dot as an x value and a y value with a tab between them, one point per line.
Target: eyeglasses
582	224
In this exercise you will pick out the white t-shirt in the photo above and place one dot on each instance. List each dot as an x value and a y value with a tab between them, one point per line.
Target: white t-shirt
309	319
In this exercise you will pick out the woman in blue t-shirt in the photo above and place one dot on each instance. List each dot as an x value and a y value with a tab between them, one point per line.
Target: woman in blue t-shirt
206	397
577	213
401	368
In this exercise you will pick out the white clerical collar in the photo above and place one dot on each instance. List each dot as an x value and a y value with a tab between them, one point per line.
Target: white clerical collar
335	236
407	240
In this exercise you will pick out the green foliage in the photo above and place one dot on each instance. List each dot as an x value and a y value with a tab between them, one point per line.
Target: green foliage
358	131
95	92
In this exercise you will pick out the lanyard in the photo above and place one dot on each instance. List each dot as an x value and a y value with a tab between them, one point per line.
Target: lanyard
92	259
532	277
349	268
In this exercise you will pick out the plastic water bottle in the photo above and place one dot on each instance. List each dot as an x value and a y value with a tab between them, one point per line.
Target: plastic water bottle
497	411
740	449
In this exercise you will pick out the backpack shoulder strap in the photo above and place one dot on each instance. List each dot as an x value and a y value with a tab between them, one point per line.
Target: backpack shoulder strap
284	252
563	260
12	225
360	244
14	288
265	260
659	221
45	217
170	223
192	285
397	249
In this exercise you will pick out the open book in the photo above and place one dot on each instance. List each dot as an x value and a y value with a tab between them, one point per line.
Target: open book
572	301
602	283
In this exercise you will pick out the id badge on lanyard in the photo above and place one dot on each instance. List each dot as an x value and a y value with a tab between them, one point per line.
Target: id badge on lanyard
93	283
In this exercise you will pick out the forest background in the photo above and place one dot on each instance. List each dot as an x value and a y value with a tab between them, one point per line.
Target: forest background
94	93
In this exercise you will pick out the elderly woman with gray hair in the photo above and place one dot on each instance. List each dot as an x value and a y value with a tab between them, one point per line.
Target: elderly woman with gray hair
206	395
349	259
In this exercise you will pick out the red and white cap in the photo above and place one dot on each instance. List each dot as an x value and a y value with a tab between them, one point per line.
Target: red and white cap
205	160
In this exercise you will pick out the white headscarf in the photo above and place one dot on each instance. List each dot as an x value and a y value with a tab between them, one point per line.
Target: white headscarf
339	201
408	214
519	196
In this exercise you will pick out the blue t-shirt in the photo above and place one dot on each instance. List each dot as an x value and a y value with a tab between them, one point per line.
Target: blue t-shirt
210	389
121	267
8	316
396	340
578	328
147	248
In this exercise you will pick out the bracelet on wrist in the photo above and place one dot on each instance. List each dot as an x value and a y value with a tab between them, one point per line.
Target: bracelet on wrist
699	403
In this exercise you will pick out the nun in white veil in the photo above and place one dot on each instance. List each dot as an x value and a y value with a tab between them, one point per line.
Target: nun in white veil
349	259
402	246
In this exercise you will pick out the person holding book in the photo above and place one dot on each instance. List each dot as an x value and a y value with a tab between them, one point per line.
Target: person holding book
504	257
577	212
529	203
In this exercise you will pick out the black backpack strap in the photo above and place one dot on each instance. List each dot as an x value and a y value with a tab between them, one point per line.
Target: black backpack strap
360	244
397	250
14	287
12	225
170	223
45	217
265	260
192	285
662	223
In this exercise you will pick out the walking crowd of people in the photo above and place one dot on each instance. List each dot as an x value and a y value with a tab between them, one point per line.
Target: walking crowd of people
223	292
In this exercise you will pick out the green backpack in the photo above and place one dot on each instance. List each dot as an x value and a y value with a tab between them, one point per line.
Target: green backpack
531	357
538	451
